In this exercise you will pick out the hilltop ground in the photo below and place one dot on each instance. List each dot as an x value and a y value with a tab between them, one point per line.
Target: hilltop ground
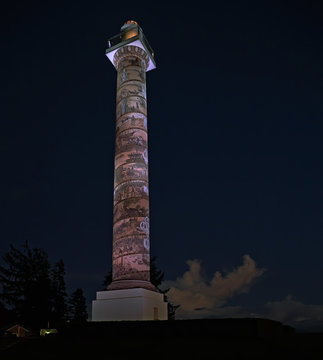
181	339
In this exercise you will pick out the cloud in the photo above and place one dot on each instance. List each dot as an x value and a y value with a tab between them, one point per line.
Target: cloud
200	298
292	311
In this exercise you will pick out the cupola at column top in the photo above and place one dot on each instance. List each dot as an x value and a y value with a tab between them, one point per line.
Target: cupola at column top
130	34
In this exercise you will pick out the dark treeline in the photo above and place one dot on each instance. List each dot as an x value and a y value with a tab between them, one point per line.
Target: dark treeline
33	292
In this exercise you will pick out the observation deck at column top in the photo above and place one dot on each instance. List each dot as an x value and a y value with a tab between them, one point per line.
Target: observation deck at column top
131	34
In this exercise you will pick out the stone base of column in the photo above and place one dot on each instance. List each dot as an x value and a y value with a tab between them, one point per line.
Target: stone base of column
131	284
129	304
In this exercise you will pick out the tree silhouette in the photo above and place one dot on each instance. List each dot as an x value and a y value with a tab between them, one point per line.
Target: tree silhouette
6	316
77	307
34	292
58	289
26	284
107	280
156	278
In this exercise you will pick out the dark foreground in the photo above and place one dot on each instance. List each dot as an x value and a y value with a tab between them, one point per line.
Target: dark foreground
181	339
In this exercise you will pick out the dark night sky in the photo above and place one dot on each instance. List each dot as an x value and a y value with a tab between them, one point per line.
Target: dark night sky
235	140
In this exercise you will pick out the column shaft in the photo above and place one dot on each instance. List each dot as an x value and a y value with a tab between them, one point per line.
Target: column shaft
131	257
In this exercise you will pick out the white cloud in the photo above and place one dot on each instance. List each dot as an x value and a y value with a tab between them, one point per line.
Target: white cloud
289	311
200	298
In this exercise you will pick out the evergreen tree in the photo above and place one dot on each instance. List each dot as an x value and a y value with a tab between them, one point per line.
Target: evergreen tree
77	307
107	280
156	278
6	316
156	275
26	284
58	288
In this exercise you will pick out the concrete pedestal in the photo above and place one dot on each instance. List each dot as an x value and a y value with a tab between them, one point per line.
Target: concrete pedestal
129	304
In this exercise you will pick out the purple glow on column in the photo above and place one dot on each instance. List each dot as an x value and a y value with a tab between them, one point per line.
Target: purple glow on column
131	257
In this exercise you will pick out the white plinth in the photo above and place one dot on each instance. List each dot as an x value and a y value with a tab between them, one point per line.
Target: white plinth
129	304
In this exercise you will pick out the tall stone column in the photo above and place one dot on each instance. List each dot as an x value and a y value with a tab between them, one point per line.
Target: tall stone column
131	295
131	256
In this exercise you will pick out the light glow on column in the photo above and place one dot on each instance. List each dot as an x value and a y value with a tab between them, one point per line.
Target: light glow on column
131	258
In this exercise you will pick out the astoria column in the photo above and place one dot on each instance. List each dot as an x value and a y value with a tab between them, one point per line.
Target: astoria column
131	295
132	57
131	259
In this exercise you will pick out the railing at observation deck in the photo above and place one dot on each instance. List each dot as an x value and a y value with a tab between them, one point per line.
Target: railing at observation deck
117	40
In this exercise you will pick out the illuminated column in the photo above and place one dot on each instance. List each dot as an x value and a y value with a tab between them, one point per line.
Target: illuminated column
130	267
130	296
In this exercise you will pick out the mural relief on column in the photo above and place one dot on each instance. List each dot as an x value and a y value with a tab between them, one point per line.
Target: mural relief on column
131	194
132	88
131	267
138	121
133	207
127	226
131	140
131	189
131	104
128	172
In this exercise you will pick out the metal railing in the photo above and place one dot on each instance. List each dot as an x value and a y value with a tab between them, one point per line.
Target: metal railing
117	40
